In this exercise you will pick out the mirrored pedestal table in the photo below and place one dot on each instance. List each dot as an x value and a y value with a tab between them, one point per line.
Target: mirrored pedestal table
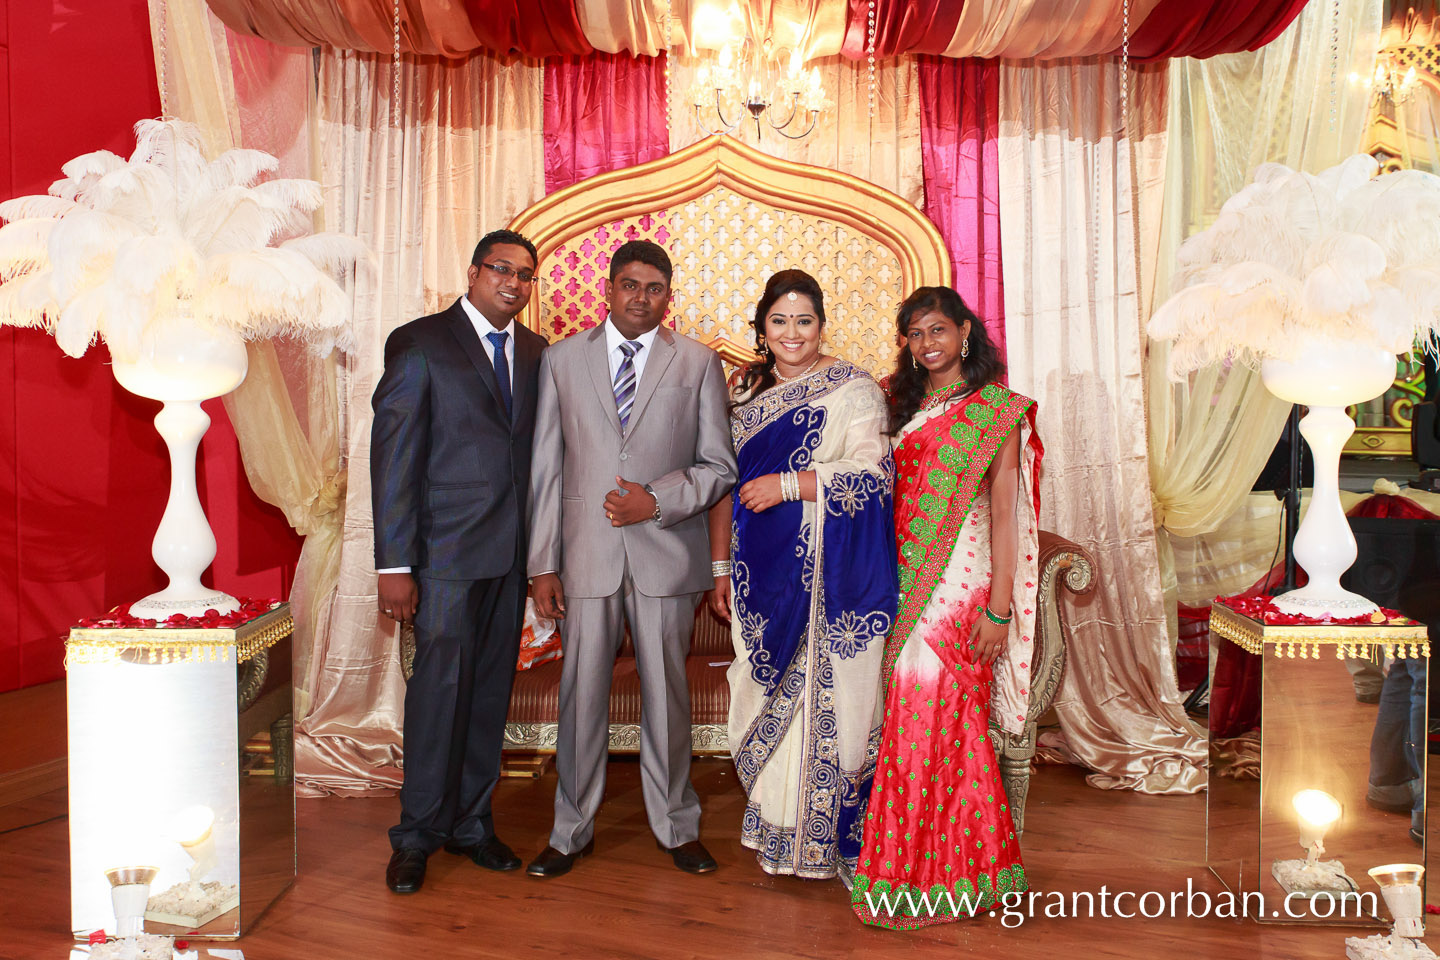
1309	787
182	802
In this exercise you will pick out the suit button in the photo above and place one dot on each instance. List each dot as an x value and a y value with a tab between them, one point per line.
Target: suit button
624	456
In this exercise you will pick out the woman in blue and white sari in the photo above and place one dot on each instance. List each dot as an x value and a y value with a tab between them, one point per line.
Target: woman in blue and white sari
804	550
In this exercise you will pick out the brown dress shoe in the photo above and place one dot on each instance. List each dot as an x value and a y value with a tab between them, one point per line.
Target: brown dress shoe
493	854
691	857
406	870
553	863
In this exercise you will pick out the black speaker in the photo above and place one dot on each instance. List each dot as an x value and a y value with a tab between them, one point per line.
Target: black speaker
1425	435
1398	565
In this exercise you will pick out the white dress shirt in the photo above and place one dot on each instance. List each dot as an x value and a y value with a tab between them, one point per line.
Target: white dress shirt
483	328
613	339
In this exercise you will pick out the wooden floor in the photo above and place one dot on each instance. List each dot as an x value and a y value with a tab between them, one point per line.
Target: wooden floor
629	901
32	742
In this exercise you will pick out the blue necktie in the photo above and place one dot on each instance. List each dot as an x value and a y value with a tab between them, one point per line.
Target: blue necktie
625	381
502	370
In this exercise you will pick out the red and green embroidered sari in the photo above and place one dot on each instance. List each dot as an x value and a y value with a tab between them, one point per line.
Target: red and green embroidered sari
939	843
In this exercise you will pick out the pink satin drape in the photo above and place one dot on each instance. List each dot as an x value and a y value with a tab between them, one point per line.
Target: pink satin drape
959	126
602	112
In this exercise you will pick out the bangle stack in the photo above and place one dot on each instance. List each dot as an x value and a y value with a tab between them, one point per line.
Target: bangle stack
790	486
996	618
719	568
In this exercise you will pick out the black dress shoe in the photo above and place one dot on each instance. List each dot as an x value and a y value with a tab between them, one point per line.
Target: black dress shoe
406	872
691	857
553	863
493	854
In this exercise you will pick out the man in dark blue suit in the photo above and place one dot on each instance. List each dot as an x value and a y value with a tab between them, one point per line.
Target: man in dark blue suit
450	475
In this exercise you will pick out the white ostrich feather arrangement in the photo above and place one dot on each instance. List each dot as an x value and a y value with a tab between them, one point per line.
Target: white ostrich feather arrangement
118	245
1292	256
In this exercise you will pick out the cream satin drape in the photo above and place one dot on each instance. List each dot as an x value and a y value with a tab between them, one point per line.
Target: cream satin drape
1023	29
986	28
883	148
1080	203
247	92
1210	437
463	157
815	27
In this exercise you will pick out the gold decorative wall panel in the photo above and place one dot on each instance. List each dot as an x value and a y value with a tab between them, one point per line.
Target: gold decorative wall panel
730	217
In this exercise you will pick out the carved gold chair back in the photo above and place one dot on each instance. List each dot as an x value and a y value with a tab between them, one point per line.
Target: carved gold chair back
730	216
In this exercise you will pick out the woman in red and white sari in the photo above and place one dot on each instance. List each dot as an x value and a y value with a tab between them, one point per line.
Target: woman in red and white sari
938	842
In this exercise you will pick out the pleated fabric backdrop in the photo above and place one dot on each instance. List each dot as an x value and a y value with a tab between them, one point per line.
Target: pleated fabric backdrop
1048	199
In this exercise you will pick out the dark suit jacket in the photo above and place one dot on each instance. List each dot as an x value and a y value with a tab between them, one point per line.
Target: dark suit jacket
449	471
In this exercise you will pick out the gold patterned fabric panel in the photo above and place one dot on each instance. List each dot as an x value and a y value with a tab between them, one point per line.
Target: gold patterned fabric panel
724	247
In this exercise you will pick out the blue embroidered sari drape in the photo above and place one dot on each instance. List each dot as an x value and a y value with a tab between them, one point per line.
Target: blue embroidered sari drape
815	590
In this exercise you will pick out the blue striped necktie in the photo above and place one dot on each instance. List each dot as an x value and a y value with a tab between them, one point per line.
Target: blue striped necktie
625	381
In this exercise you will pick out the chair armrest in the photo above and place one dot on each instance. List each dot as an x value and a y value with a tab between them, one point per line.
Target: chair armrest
1063	565
1058	554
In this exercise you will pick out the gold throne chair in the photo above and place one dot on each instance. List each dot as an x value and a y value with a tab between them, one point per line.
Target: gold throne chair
730	216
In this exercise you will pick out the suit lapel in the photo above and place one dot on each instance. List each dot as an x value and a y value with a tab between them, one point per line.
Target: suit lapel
597	361
464	331
662	352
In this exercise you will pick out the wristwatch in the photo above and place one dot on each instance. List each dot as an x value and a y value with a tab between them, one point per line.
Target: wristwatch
656	515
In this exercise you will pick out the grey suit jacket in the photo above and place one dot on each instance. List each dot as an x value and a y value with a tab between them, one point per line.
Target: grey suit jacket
677	441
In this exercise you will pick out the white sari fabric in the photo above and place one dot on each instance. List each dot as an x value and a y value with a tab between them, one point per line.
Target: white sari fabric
814	588
967	580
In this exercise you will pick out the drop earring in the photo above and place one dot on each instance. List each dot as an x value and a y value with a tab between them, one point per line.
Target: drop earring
964	348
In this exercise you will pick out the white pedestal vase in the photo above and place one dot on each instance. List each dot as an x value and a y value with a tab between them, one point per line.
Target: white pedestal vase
1327	375
182	362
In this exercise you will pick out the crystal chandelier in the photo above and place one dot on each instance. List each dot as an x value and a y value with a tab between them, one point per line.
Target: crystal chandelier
747	77
1389	81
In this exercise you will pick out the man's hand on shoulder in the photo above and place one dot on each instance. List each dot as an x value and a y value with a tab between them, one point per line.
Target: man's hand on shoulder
399	596
549	596
629	503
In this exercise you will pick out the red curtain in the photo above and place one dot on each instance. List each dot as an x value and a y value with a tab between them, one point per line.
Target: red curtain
959	121
1387	506
1185	28
901	26
83	475
531	28
1174	28
602	112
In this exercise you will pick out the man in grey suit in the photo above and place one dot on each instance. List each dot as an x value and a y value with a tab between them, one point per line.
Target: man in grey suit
632	446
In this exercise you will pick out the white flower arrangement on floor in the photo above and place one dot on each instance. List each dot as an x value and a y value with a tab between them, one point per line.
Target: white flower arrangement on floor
143	946
1320	281
193	903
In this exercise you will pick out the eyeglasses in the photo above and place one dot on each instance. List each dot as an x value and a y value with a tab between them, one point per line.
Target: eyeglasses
524	276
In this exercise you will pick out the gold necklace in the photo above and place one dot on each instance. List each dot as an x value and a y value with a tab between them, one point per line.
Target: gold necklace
803	373
939	395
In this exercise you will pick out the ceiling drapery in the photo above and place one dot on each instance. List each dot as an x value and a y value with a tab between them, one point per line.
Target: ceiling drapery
1022	29
1184	28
